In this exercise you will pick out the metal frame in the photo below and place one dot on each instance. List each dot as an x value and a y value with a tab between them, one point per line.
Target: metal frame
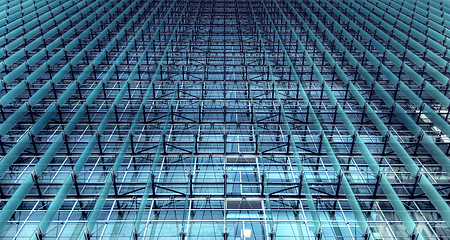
196	119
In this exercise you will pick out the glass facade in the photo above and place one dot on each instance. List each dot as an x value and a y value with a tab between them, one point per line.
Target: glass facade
224	119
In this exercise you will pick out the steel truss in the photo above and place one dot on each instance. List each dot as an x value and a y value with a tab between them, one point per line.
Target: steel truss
228	119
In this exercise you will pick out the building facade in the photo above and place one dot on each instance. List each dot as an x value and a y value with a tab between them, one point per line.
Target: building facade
224	119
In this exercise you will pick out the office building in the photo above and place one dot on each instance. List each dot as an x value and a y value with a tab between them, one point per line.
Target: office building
224	119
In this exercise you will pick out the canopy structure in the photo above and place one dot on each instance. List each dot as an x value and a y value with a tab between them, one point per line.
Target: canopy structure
224	119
